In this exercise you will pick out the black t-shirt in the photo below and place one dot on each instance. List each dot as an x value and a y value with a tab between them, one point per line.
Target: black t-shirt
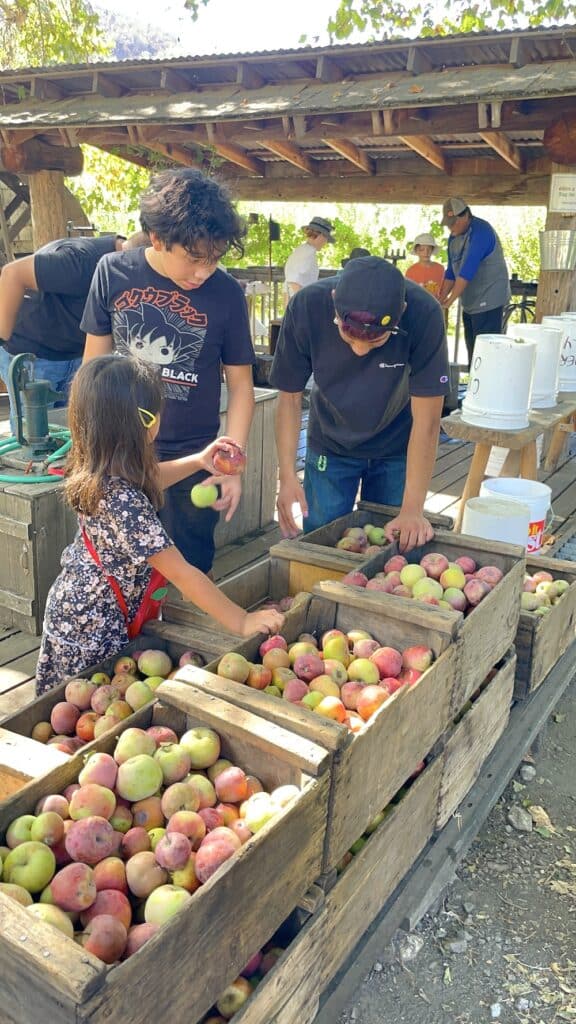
48	321
360	405
188	335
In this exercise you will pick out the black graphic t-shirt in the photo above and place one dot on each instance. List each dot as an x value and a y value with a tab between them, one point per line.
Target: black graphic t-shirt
188	335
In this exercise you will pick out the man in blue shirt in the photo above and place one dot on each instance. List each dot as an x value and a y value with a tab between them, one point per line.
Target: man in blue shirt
476	272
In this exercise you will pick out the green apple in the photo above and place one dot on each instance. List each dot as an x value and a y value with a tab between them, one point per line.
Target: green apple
31	865
204	495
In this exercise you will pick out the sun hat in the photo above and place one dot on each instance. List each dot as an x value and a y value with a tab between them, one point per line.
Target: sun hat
369	297
452	208
424	239
321	225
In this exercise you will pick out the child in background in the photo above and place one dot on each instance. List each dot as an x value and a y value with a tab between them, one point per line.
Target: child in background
115	482
426	273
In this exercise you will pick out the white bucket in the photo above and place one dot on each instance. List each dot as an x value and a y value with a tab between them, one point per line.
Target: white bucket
567	368
535	495
499	391
496	519
549	341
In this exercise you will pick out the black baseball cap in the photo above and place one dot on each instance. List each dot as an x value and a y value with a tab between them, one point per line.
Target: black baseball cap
370	295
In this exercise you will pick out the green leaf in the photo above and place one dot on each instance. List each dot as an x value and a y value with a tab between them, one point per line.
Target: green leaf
544	832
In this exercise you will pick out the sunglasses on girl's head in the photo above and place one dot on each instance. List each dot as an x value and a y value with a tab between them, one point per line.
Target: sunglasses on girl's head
148	418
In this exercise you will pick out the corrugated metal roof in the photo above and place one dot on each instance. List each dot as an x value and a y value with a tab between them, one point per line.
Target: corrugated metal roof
557	33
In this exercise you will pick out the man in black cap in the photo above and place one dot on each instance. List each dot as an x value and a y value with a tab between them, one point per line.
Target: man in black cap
476	272
376	345
302	265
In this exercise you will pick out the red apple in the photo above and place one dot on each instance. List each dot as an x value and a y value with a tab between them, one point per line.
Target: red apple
229	459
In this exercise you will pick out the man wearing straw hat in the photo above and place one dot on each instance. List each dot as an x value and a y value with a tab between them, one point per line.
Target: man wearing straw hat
476	272
302	265
426	272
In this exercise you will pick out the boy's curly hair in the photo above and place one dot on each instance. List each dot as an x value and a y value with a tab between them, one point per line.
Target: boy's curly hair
184	207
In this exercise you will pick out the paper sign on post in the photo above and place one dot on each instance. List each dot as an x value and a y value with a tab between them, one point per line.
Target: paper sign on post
562	193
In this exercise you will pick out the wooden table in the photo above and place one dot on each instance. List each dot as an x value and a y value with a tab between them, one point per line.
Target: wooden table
522	459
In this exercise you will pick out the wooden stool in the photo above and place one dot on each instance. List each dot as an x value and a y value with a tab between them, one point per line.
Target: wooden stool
568	426
522	459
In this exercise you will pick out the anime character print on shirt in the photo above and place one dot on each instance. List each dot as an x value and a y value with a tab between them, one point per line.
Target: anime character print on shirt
163	328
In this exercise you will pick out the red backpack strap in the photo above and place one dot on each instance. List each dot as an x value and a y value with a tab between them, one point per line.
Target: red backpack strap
113	583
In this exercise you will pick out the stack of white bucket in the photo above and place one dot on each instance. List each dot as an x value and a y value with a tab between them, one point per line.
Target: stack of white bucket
511	374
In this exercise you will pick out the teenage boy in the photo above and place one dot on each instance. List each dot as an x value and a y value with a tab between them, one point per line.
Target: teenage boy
302	264
376	346
42	299
171	305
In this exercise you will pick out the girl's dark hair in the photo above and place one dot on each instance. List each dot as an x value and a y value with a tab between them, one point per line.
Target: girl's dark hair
109	438
185	207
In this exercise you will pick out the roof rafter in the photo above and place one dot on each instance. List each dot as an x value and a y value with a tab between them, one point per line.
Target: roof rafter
349	150
293	154
505	148
425	147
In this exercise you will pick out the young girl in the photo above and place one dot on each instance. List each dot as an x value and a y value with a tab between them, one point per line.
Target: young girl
115	483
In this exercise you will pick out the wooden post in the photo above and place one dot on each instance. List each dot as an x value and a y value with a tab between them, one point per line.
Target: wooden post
48	206
556	287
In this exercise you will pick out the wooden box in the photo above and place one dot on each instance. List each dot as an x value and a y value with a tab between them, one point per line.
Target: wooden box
46	976
542	639
23	759
370	766
473	736
290	993
313	553
35	527
483	636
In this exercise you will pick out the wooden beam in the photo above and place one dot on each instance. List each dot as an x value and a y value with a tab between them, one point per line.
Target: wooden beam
44	89
418	62
105	85
520	52
350	152
175	153
35	156
390	121
123	153
234	154
5	234
505	148
327	70
377	122
248	77
175	81
293	154
425	147
21	221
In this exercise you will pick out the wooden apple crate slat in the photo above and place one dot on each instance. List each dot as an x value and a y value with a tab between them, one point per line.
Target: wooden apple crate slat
473	737
484	636
391	511
289	994
46	976
541	640
403	731
23	759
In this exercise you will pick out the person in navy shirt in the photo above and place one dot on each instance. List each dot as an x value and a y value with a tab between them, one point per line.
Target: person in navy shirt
476	272
172	306
376	345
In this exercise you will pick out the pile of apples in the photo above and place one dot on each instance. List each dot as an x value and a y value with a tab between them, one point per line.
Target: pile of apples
458	585
121	851
93	706
363	540
236	994
346	678
541	591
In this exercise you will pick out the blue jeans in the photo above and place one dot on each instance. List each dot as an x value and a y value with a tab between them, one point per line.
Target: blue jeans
331	484
59	372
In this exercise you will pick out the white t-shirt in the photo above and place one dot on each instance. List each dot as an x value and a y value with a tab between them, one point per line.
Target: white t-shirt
301	267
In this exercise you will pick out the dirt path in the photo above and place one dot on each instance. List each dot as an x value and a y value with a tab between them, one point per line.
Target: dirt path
502	945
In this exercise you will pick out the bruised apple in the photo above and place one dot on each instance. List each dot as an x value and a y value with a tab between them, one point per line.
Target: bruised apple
229	460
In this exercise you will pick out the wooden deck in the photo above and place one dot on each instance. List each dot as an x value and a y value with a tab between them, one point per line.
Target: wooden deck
18	651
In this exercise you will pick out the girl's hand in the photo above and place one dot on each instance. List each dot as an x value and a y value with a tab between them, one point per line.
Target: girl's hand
266	621
206	456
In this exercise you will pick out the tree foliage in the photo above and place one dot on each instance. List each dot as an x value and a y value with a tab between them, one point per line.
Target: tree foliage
34	33
109	190
384	20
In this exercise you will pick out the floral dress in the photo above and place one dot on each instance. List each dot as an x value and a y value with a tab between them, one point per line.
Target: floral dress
83	623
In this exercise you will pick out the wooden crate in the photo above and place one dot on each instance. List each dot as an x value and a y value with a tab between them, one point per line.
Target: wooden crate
483	636
290	993
23	759
35	527
313	553
47	976
541	640
473	736
399	735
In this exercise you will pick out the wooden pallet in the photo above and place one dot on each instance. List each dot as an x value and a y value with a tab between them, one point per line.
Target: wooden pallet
47	976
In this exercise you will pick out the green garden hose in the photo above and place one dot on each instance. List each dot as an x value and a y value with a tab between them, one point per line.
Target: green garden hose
10	444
